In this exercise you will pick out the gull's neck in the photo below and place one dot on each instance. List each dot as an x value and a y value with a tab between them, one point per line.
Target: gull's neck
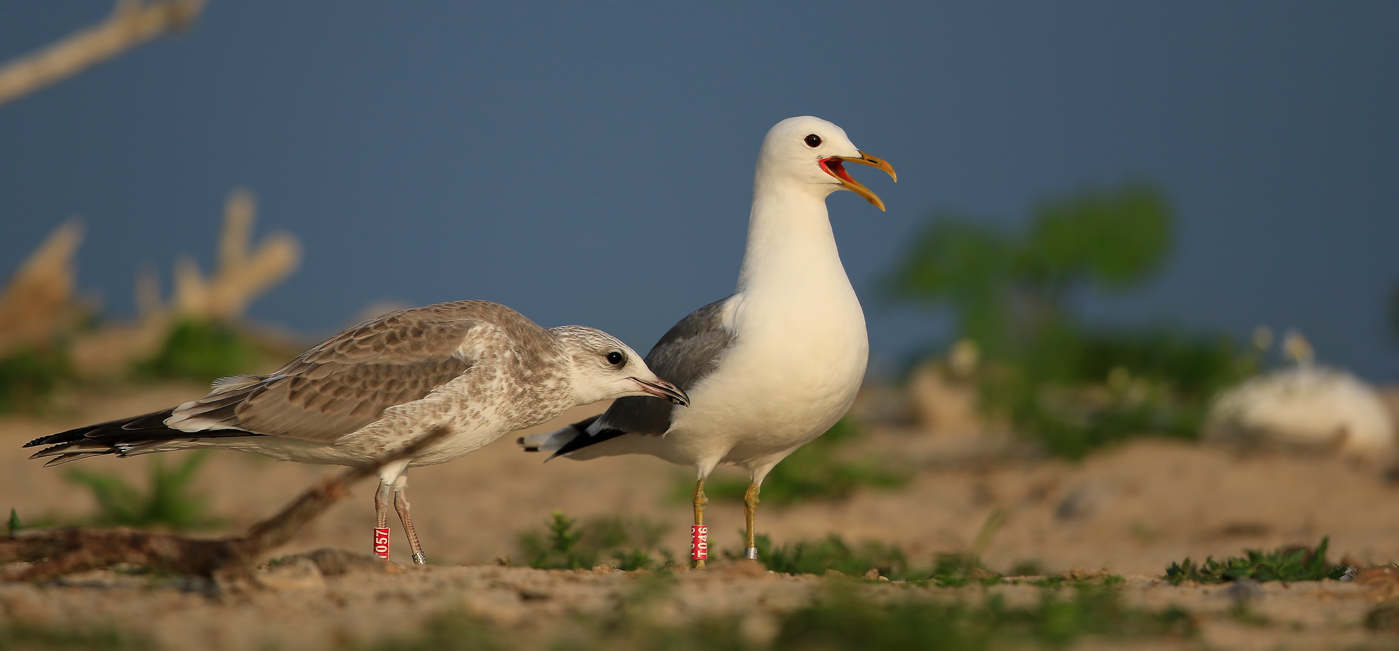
790	242
574	389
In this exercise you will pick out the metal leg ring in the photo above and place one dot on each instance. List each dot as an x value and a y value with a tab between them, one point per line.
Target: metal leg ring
750	553
420	558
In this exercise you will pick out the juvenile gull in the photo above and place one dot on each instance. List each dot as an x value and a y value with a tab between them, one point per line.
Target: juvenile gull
771	367
480	369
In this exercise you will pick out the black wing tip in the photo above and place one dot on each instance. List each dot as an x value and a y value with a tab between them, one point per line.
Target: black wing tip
70	457
122	426
70	436
60	454
49	451
118	437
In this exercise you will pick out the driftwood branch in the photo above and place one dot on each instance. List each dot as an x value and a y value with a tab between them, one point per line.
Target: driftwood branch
132	23
243	272
38	301
54	553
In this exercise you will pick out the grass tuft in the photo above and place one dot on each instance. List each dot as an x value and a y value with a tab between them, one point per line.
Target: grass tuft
842	620
1075	391
202	351
166	502
623	543
1297	563
29	377
1383	617
21	635
450	631
847	618
833	553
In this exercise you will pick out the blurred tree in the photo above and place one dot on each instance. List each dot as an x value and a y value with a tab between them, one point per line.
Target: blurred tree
1073	388
1114	239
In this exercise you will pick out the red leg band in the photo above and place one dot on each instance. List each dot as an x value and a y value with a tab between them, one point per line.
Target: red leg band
699	542
381	542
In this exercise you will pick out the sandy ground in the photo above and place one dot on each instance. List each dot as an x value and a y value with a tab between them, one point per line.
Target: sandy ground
1131	510
536	608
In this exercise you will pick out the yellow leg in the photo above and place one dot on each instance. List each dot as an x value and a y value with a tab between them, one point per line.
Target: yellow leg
700	501
750	512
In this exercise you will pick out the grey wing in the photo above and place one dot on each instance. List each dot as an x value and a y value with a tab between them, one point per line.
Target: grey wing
686	354
346	382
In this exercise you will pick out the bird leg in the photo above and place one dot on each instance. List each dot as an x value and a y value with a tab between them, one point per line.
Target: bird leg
380	547
400	503
750	512
381	505
698	555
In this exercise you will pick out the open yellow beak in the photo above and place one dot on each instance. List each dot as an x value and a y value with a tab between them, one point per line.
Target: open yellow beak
833	167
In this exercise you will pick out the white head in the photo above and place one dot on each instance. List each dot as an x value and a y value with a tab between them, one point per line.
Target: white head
809	151
602	368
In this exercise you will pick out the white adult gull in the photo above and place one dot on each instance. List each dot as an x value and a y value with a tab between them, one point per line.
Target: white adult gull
771	367
477	368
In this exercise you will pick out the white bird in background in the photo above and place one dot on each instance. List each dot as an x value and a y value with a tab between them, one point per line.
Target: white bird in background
479	369
771	367
1305	405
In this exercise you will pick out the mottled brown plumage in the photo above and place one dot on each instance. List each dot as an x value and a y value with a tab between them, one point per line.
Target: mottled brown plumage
349	380
476	368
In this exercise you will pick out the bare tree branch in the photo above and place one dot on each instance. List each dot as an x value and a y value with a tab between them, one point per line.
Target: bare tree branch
37	304
56	552
132	23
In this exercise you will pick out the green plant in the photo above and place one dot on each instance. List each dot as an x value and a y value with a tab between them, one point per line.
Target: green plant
21	635
829	553
816	470
1076	391
841	620
201	351
1003	286
1383	617
167	501
448	631
1072	388
833	553
1298	563
28	377
14	526
842	617
564	544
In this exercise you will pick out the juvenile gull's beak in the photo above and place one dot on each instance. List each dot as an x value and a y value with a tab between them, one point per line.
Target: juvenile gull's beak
665	390
833	167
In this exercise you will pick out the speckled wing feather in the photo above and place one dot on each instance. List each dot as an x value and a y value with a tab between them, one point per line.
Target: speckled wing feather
349	380
687	353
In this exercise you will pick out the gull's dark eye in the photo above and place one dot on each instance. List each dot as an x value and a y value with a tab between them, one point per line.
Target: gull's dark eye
614	358
813	141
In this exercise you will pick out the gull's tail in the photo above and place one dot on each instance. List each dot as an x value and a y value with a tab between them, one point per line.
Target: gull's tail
124	437
578	436
557	441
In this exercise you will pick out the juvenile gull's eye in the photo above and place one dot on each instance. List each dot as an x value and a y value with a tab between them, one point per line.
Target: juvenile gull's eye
813	141
614	358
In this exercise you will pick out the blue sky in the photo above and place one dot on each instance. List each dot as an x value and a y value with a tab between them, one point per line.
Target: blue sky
592	162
